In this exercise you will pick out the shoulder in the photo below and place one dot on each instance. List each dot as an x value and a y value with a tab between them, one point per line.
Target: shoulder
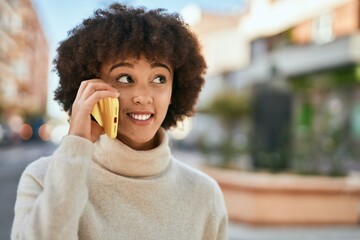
197	179
201	188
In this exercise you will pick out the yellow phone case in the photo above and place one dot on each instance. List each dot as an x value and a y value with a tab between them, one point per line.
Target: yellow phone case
106	113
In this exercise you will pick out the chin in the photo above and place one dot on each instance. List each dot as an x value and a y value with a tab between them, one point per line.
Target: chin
139	137
143	139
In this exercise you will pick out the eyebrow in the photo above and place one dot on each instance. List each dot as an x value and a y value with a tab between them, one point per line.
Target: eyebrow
158	64
121	64
129	65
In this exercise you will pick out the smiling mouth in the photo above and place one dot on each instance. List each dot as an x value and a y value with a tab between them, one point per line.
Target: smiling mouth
140	117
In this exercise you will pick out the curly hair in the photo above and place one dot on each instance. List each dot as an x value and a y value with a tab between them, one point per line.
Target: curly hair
120	30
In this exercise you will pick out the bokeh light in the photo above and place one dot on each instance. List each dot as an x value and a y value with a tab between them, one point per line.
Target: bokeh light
26	131
44	132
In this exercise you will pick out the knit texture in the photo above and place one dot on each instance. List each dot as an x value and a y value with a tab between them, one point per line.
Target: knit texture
107	190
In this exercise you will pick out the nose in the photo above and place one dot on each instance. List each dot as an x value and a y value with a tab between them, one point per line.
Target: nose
142	92
142	96
142	100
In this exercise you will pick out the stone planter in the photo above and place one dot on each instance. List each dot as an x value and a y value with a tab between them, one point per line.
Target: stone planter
264	198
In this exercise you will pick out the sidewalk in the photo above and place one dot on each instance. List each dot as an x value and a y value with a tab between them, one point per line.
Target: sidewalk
245	232
238	231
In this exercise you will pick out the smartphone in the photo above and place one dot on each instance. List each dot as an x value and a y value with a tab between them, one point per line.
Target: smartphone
106	113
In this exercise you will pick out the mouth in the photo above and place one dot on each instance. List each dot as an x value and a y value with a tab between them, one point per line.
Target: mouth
141	118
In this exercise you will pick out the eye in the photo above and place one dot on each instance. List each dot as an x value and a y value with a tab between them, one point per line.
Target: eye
159	79
124	79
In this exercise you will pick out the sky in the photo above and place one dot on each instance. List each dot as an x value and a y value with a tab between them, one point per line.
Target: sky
59	16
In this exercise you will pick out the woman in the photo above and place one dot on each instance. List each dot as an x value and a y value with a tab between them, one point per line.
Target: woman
131	187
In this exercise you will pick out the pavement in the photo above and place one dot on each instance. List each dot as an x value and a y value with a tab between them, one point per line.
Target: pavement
239	231
14	159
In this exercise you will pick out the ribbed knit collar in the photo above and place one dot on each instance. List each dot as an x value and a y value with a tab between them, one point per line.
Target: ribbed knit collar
118	158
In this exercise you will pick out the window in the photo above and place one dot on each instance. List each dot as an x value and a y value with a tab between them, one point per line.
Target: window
322	28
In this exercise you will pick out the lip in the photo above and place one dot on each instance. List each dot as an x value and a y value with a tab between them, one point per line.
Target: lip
140	122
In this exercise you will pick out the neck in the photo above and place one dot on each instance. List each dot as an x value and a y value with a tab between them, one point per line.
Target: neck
120	158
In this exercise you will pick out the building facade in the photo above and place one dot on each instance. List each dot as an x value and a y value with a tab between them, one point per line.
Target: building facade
24	55
308	50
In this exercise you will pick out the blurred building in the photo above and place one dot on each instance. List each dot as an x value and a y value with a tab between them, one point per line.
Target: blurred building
24	54
307	49
281	33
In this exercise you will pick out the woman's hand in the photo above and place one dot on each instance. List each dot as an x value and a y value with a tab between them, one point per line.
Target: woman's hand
89	93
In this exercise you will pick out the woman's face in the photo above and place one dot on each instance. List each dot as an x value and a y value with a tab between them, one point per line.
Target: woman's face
145	94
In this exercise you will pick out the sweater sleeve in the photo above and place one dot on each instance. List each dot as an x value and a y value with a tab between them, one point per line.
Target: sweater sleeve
217	224
222	215
51	199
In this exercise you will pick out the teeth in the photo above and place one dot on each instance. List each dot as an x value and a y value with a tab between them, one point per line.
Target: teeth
141	117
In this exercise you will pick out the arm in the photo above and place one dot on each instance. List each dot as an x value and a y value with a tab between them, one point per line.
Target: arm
52	210
217	224
51	200
222	228
222	215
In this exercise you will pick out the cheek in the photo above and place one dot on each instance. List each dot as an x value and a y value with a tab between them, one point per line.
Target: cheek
166	94
165	99
125	97
123	104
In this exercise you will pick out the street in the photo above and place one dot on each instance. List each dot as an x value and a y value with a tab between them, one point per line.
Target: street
14	159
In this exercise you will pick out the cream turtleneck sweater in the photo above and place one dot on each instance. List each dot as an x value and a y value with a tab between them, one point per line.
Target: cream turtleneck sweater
107	190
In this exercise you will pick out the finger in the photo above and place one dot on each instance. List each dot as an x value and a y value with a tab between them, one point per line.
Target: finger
81	89
86	84
92	88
